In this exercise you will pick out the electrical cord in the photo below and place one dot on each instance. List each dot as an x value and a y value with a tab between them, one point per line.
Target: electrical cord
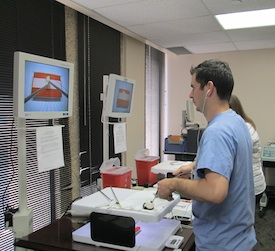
69	206
199	131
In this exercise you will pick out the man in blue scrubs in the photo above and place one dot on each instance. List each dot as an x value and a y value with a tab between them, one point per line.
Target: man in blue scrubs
222	189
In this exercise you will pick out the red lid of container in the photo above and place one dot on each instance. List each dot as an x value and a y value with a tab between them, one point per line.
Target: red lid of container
116	170
148	158
143	155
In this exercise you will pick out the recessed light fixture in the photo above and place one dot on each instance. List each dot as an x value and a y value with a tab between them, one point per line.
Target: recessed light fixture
247	19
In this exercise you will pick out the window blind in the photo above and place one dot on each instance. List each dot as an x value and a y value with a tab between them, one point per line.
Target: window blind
154	100
98	55
37	27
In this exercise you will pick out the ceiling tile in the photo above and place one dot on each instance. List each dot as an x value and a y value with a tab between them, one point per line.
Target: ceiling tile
153	11
252	34
180	23
230	6
209	48
253	45
93	4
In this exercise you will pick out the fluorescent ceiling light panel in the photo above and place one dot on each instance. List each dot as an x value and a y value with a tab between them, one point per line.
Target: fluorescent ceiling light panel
248	19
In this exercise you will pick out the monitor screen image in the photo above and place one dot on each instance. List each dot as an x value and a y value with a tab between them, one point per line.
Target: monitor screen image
43	87
119	96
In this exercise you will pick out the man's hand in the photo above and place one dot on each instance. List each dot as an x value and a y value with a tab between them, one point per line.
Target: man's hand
165	188
185	171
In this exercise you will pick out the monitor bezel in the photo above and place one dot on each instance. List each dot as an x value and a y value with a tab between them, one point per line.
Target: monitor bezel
111	94
20	59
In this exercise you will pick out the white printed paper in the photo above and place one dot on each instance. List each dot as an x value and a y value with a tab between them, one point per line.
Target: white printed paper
49	146
120	137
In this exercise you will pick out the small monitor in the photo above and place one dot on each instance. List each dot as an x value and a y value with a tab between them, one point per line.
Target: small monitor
188	118
42	87
190	111
119	97
113	229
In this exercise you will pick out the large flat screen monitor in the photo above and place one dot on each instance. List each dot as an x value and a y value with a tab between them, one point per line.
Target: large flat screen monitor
119	97
42	87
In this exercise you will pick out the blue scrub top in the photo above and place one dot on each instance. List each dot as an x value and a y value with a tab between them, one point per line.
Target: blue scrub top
226	148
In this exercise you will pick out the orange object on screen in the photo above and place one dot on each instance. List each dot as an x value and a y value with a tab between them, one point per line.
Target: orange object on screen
42	80
123	98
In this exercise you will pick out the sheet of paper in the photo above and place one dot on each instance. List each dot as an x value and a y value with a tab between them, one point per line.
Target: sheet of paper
182	210
49	147
120	137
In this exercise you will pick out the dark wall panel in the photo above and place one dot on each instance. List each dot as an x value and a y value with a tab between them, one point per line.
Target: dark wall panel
99	54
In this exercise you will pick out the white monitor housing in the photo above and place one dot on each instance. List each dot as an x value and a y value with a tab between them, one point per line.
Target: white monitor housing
118	100
190	111
188	118
42	87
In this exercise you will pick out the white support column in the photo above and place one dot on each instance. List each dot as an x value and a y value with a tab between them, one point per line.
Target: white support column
22	220
105	121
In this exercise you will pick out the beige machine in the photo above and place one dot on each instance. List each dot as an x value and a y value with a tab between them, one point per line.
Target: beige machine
268	158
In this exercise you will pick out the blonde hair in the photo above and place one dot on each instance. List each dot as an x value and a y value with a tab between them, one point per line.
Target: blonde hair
235	104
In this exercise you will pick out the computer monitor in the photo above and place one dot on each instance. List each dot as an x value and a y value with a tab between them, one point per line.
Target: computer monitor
188	118
42	87
119	97
190	111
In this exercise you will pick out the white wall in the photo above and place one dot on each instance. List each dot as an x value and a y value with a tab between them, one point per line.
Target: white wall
254	85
